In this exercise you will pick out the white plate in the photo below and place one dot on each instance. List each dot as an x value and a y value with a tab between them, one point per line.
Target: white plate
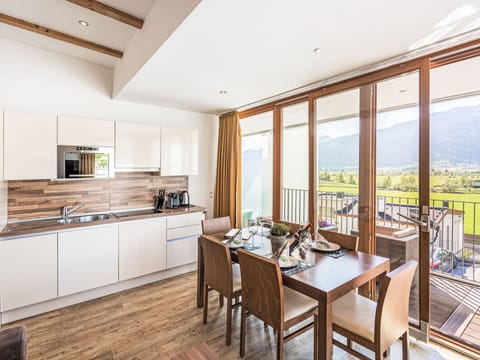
291	262
325	246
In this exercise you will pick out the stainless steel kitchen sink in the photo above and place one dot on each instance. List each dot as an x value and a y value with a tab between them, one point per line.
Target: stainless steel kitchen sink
84	219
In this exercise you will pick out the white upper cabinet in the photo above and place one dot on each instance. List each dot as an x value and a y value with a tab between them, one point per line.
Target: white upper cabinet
179	151
137	146
85	132
30	146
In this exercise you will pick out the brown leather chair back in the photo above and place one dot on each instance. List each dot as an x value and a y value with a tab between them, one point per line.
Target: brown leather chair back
216	226
262	290
218	265
344	240
391	318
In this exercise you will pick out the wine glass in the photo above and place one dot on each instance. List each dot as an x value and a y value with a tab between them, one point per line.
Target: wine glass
252	229
307	245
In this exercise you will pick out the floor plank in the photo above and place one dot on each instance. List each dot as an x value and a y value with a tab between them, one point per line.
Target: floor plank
161	320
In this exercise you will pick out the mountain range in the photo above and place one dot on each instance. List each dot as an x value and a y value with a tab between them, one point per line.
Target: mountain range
454	134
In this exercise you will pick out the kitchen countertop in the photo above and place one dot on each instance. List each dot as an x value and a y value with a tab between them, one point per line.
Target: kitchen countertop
50	225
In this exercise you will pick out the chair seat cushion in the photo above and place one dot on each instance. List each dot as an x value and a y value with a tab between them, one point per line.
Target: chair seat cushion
356	314
296	304
237	279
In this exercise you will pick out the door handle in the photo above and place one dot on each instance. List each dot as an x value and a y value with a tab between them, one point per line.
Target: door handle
422	224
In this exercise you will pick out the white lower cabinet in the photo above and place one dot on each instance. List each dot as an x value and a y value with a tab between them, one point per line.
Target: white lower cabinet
28	271
87	259
182	238
142	248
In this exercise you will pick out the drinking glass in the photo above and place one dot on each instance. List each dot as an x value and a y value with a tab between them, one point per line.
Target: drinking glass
252	229
307	245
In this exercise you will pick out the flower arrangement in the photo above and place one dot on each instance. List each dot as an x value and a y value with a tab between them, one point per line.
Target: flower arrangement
323	223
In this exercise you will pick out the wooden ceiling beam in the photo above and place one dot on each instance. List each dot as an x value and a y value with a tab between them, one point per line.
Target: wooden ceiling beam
109	11
42	30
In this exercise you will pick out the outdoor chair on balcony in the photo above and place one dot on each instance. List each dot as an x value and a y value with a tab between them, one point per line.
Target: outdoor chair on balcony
376	325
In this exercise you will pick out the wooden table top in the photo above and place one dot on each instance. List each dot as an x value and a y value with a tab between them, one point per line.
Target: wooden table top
329	278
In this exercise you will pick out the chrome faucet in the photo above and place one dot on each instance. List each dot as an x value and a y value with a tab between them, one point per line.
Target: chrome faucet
66	211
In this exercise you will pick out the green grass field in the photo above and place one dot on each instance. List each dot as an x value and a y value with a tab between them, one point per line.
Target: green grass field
469	203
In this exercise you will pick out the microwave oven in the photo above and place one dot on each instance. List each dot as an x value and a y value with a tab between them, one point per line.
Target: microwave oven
85	162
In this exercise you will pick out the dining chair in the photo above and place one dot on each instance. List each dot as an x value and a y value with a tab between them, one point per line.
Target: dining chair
216	225
376	325
265	297
219	225
221	276
344	240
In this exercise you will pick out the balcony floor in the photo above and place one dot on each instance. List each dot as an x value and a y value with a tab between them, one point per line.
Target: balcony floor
455	309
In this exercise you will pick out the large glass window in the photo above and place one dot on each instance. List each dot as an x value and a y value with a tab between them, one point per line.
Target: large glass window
295	163
257	163
337	161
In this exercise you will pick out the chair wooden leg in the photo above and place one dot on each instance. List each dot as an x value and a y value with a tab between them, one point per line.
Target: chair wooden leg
243	329
405	346
315	336
279	344
220	300
205	303
229	320
349	343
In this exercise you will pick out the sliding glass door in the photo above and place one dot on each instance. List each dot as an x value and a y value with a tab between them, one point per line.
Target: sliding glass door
397	175
257	166
295	162
455	199
337	118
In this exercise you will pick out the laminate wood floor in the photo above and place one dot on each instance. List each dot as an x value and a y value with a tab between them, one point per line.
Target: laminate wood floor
160	320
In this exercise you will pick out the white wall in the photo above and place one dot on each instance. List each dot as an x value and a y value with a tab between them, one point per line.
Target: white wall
36	80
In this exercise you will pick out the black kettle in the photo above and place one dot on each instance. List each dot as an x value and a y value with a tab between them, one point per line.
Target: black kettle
184	198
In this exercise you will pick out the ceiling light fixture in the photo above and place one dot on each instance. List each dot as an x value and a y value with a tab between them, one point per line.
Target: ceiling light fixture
318	50
223	92
83	23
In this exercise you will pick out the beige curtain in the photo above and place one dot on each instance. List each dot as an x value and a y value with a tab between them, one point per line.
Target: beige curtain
228	191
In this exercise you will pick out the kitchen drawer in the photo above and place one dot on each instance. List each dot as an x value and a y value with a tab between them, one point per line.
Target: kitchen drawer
182	251
185	220
182	232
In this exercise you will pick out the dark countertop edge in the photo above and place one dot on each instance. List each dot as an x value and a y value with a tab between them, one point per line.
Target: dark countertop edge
6	234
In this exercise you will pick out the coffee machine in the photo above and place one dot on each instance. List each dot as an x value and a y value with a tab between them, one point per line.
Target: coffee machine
172	201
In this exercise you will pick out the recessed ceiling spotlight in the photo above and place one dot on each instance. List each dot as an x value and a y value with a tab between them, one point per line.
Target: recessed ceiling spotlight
318	50
223	92
83	23
403	91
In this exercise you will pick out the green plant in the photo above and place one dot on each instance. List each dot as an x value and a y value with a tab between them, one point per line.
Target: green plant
280	230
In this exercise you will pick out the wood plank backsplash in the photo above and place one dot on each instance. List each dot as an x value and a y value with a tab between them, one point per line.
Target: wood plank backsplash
33	199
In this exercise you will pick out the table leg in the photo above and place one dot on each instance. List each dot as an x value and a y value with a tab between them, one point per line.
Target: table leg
325	331
200	274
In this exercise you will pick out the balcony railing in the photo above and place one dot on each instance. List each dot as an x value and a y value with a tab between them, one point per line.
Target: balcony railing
454	225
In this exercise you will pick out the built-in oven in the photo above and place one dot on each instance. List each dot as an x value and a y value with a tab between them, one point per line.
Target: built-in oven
84	162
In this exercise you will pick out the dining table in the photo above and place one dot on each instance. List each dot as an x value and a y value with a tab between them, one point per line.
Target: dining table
325	280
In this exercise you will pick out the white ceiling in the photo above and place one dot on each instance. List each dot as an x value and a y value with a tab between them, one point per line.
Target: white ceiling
256	49
63	16
253	49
